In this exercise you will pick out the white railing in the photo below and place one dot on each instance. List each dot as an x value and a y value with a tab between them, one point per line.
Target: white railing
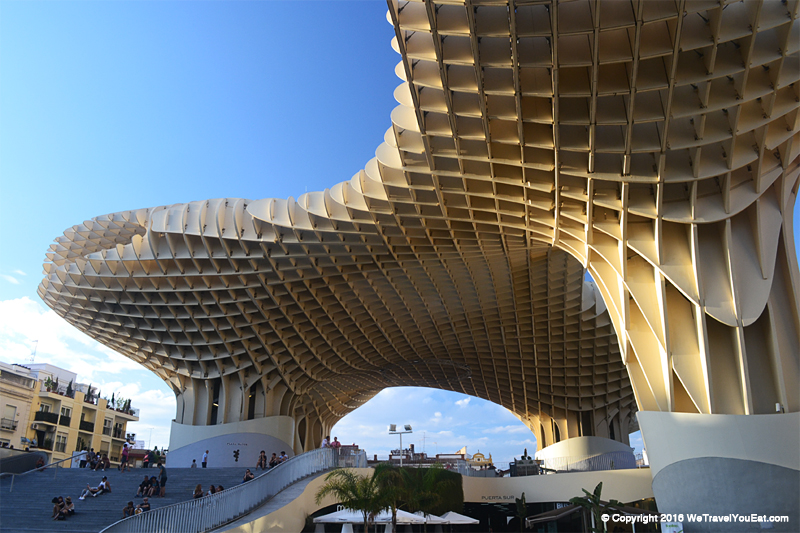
605	461
210	512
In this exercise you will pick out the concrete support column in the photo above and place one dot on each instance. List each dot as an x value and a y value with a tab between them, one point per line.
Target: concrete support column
725	464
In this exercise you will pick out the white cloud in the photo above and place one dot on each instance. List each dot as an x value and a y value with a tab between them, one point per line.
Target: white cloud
463	403
10	279
20	272
507	429
24	321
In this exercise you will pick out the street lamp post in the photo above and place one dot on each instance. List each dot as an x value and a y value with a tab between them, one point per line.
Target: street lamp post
393	431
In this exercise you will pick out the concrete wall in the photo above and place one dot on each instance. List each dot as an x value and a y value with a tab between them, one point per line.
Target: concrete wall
725	464
624	485
720	486
249	437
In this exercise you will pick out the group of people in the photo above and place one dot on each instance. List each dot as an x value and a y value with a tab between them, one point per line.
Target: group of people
130	509
265	464
153	457
62	508
152	485
199	493
326	442
95	461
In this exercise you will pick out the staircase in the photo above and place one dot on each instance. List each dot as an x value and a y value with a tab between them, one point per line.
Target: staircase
28	508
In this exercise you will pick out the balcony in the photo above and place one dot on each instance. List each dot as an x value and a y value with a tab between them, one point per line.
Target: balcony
8	423
87	426
118	434
131	415
64	420
43	416
107	431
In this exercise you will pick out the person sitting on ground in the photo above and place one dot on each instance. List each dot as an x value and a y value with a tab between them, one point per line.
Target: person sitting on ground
40	464
283	456
58	504
103	463
144	486
274	461
94	491
211	490
262	460
220	488
128	510
145	505
89	491
67	510
194	463
155	488
248	476
198	491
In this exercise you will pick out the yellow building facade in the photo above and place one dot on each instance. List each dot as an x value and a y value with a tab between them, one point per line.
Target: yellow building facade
63	419
17	389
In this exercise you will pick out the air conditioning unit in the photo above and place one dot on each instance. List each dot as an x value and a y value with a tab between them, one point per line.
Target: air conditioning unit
34	427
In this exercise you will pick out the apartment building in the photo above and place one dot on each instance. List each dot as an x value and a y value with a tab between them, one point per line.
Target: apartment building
60	415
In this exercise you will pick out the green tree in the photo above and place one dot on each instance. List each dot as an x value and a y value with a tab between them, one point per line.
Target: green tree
592	504
354	492
70	390
432	490
391	488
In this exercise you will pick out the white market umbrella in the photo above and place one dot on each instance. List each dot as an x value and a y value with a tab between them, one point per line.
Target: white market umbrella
455	518
431	518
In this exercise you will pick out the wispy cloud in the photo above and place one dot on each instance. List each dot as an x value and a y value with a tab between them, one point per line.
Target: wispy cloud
463	403
10	279
20	272
506	429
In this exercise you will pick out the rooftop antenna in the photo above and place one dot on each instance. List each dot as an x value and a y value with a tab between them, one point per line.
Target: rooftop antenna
33	353
424	436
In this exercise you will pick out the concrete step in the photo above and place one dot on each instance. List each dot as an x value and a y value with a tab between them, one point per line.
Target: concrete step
28	508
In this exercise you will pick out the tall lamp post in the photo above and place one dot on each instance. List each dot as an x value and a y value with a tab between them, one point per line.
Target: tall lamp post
393	431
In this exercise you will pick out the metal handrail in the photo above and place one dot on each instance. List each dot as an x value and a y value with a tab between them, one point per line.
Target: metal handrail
210	512
37	469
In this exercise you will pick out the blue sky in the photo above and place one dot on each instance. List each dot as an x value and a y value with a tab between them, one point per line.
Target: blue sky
107	106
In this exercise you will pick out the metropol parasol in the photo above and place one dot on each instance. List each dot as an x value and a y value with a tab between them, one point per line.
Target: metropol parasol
652	145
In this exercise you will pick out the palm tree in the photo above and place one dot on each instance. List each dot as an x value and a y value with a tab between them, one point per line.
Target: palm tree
522	511
592	503
391	487
354	492
432	490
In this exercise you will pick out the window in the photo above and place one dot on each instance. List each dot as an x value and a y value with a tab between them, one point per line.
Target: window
45	408
66	411
9	420
61	442
107	426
